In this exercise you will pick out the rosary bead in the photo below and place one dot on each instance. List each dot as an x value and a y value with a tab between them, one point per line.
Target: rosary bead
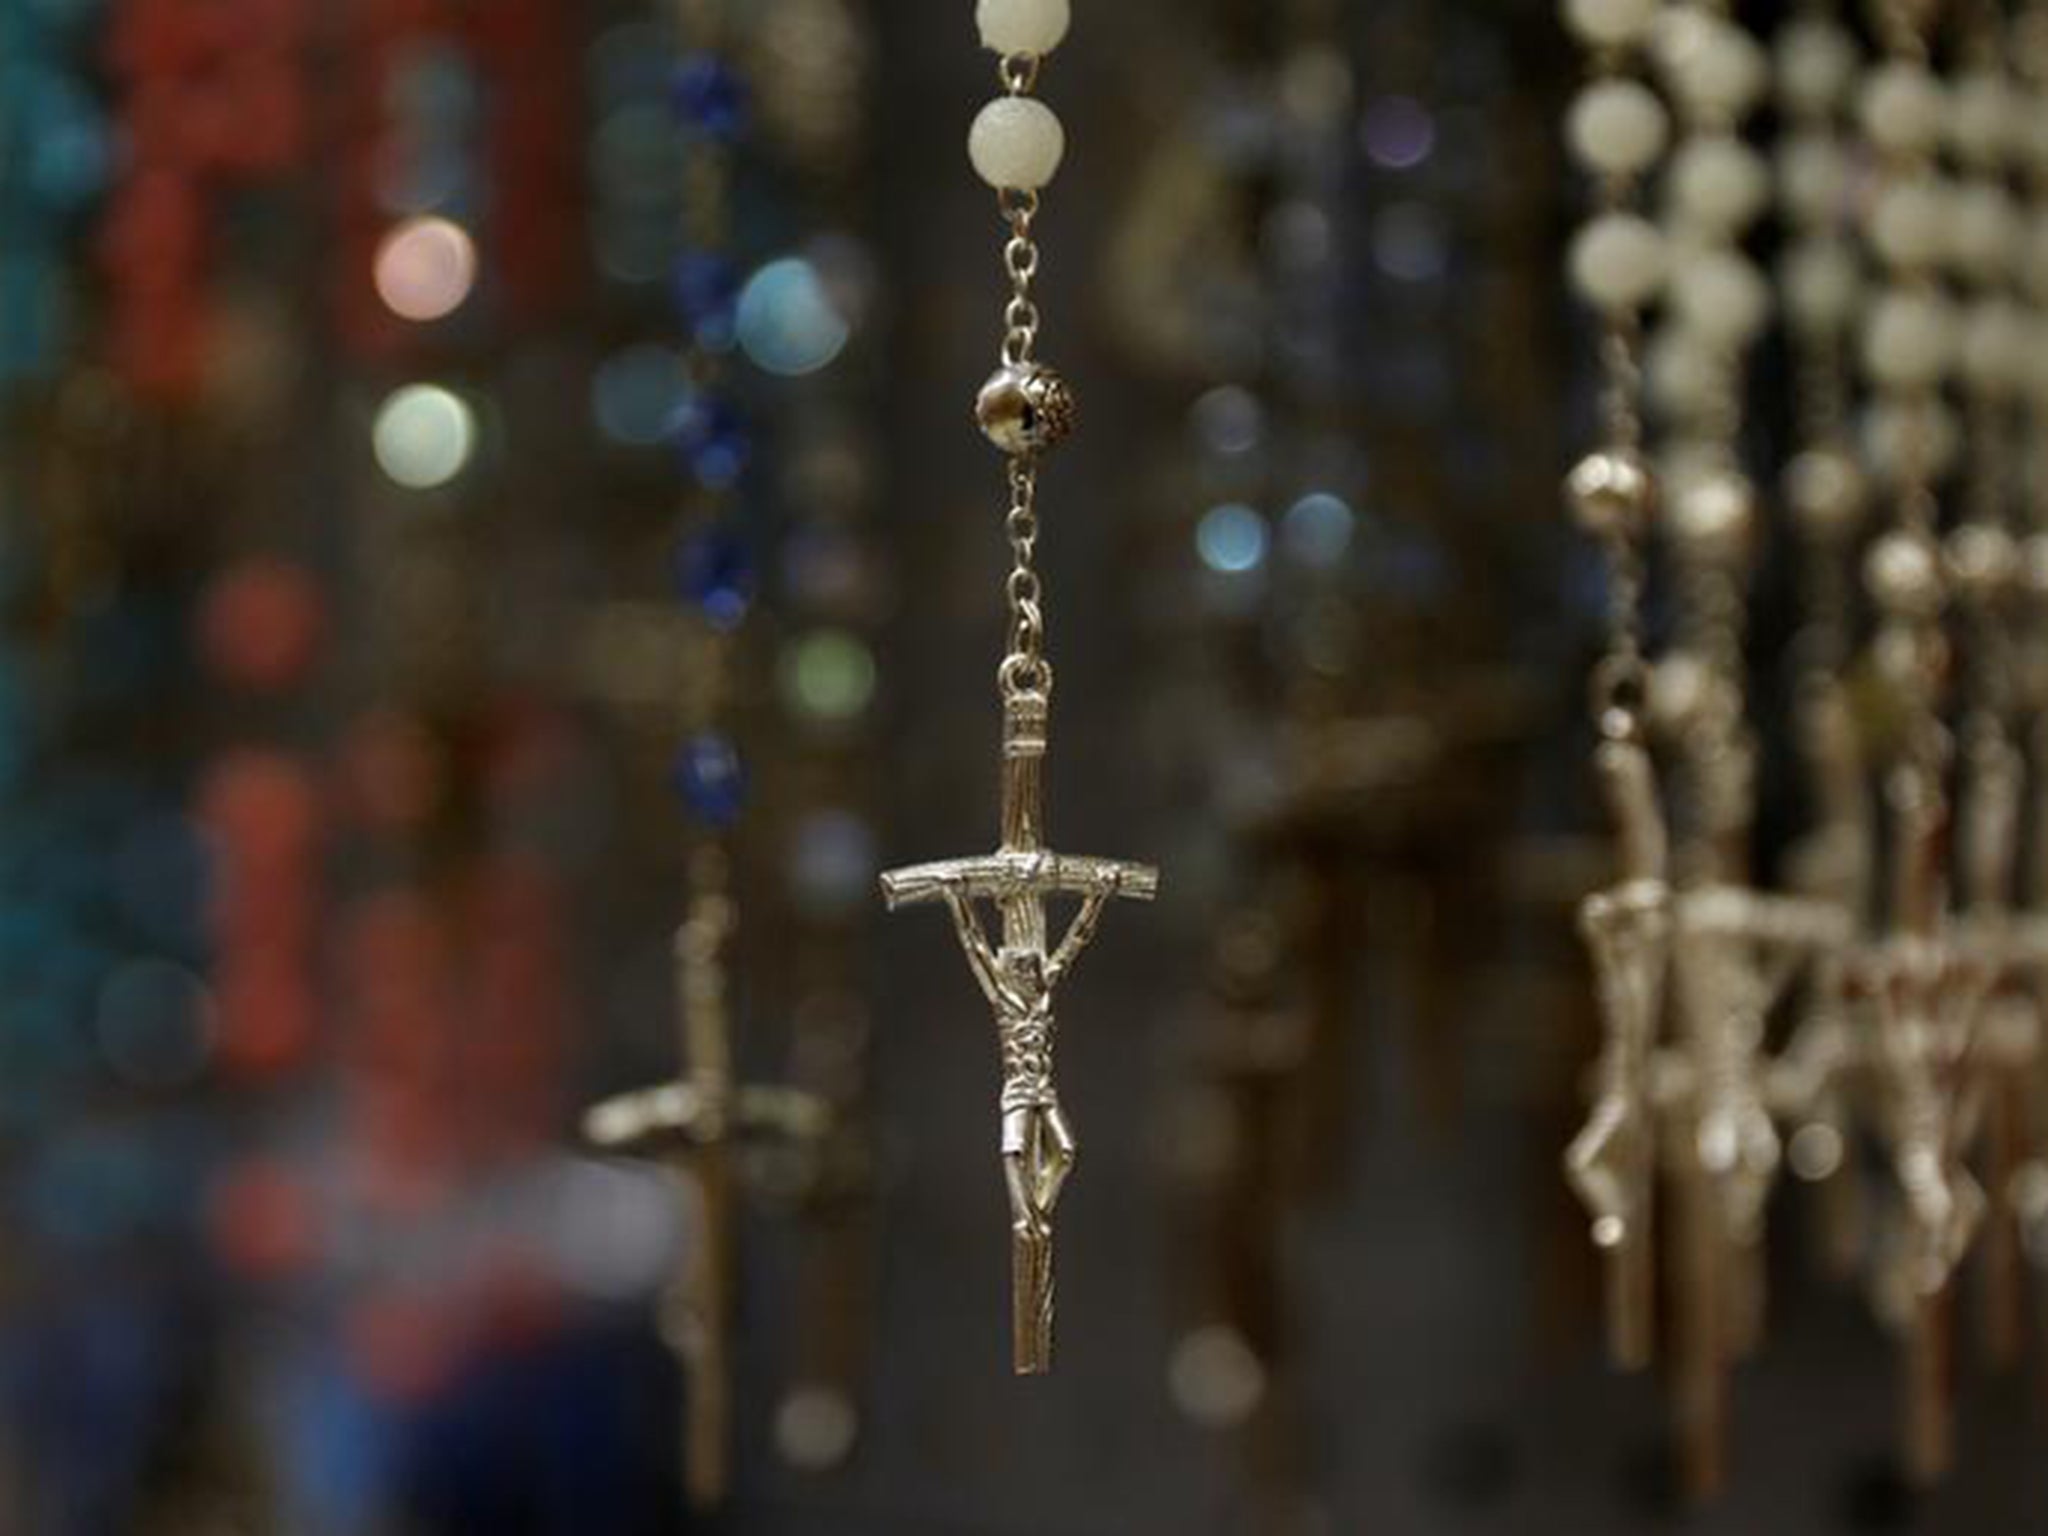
1720	295
1610	23
1983	562
1983	232
1825	492
1611	493
1719	184
1714	67
1909	224
1813	178
711	781
1686	377
1034	27
1816	63
1617	261
1025	409
1985	119
1823	284
1016	144
1909	339
1993	353
1713	515
1903	573
1617	127
1682	689
1902	109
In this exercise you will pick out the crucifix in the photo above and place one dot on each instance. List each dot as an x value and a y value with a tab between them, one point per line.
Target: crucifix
1019	972
698	1127
1611	1164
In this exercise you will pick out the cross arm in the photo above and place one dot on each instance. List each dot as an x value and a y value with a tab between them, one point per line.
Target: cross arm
1002	874
678	1117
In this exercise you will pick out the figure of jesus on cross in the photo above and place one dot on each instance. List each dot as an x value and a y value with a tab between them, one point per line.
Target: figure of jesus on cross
1019	972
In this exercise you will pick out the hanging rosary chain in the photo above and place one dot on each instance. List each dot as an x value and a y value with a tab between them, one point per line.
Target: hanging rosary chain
1025	670
1020	261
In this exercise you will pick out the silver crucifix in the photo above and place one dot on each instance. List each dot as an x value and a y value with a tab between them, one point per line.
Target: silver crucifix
1018	973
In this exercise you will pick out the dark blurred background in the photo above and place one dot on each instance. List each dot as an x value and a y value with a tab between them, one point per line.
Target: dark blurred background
339	858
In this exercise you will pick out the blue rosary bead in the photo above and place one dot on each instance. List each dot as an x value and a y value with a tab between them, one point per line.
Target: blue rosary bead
711	780
706	287
708	95
715	574
712	438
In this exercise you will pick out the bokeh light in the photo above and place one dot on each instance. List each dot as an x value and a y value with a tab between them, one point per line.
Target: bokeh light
424	436
426	268
788	323
1232	539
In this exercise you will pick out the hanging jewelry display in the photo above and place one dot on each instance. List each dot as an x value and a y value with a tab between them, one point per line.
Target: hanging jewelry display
1025	409
1618	132
698	1123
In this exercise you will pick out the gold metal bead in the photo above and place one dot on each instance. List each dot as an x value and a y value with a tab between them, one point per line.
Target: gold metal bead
1611	493
1025	408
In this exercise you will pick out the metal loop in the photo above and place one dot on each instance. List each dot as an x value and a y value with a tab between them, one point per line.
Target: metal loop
1020	257
1019	72
1021	676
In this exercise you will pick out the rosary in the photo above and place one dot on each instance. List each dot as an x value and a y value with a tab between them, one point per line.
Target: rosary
1921	1034
1024	409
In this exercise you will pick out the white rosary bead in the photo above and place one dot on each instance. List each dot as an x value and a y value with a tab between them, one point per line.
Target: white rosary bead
1719	184
1909	339
1920	432
1720	295
1712	65
1993	355
1617	261
1984	119
1909	225
1609	23
1816	63
1813	178
1823	284
1983	232
1903	109
1686	377
1016	143
1022	26
1617	127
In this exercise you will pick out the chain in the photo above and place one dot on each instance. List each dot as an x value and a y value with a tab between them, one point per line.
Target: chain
1025	669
